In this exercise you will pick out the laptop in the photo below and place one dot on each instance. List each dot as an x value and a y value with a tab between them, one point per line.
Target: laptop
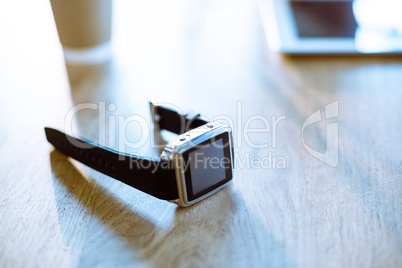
333	26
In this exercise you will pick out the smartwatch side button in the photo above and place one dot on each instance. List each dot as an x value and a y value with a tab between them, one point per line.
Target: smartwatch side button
164	156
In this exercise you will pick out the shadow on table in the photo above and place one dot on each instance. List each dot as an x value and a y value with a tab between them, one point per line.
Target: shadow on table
93	200
208	232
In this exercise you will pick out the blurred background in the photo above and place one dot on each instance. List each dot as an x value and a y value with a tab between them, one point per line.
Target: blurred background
208	56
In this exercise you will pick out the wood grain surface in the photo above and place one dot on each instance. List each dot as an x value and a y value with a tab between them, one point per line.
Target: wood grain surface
210	57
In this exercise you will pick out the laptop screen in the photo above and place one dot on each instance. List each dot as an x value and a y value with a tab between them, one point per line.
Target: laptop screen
324	18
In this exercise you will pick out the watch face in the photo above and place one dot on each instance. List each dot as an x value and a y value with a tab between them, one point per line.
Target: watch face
207	166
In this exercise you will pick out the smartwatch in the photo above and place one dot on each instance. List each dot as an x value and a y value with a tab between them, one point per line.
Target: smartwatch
197	164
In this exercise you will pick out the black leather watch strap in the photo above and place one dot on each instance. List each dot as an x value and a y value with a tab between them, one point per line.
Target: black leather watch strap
175	122
152	176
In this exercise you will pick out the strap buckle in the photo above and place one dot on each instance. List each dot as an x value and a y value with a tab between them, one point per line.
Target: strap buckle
154	115
192	116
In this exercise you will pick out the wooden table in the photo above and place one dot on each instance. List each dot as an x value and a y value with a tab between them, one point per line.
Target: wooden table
211	58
